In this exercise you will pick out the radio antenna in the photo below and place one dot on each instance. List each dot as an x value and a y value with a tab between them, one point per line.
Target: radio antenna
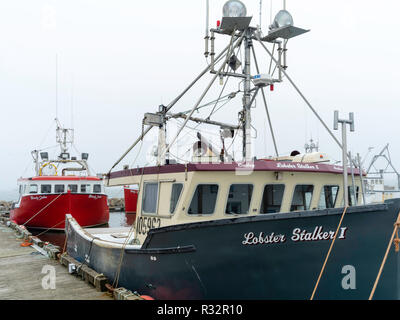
56	86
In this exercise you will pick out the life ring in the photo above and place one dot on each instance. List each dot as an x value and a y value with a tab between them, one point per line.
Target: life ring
45	165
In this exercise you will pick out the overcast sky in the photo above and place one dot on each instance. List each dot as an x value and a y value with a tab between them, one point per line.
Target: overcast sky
120	59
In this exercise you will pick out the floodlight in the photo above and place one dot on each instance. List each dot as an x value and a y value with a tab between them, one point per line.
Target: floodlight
234	9
282	19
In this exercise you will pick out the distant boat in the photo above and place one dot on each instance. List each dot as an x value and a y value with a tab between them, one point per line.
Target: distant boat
47	197
130	199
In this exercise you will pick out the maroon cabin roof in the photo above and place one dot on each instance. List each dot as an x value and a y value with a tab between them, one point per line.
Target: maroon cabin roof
259	165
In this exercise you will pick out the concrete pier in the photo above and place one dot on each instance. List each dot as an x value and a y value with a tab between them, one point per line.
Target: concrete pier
25	274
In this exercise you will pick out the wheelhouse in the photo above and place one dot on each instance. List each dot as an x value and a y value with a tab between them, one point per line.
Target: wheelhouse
178	194
50	185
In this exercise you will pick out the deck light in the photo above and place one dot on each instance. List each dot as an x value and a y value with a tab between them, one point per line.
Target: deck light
234	9
282	19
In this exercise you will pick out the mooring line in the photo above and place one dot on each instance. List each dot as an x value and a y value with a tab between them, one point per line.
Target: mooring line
395	233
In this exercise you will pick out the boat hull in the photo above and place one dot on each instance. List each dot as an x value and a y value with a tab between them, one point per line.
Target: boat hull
48	211
259	257
130	198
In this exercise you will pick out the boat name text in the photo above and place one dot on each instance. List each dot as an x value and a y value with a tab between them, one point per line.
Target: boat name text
298	235
38	197
297	166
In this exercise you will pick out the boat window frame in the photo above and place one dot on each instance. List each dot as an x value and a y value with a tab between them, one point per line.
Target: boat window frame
312	198
37	188
262	197
250	203
142	212
59	184
84	183
97	184
77	187
192	195
179	198
322	190
51	188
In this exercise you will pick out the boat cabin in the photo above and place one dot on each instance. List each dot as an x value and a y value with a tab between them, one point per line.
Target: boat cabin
195	192
57	185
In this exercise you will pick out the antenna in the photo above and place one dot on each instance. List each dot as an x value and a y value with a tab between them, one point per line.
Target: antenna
344	149
260	13
56	86
207	37
72	101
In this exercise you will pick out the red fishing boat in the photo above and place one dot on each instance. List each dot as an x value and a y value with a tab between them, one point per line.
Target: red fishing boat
46	198
130	197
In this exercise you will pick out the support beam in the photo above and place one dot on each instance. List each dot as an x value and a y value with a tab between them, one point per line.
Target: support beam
206	121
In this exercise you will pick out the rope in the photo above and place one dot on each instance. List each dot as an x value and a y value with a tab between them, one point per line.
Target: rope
329	253
396	242
50	228
44	208
131	230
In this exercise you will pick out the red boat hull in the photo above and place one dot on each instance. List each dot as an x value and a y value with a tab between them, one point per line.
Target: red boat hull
48	211
131	197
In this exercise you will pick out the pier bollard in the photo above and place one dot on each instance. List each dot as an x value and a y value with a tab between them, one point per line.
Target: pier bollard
37	241
51	250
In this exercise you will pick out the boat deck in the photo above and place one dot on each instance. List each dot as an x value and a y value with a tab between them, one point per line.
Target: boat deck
21	274
116	235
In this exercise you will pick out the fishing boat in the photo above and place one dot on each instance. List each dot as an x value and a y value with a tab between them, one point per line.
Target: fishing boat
130	199
60	186
222	227
383	180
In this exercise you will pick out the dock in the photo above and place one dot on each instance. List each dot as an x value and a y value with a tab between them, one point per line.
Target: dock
27	274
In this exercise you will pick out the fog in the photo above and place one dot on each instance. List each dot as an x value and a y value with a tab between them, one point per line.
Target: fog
117	60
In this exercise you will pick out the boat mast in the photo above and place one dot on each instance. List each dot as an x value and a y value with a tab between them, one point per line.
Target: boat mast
246	122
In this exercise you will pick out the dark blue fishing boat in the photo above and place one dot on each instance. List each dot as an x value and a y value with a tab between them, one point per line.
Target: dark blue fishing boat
283	227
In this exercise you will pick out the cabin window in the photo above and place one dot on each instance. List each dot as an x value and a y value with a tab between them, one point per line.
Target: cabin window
73	188
175	194
239	199
353	201
59	188
150	197
85	188
204	199
45	188
272	198
302	197
97	188
328	197
33	188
